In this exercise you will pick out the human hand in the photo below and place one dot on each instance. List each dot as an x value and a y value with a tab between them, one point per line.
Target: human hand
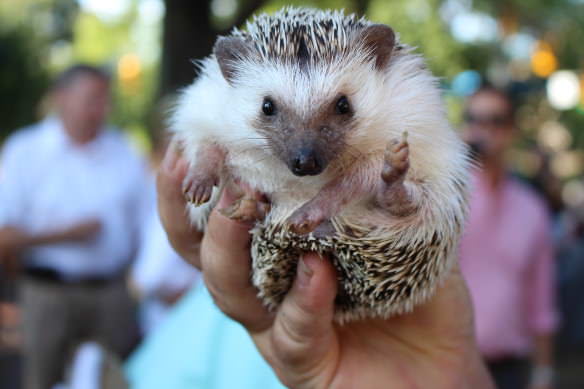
431	347
82	231
12	240
171	298
542	376
183	237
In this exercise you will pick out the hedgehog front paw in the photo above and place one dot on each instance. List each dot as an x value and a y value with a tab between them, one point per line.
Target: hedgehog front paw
304	221
246	209
197	188
396	160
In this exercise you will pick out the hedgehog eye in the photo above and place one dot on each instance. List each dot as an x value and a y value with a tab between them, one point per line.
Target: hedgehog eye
268	107
343	107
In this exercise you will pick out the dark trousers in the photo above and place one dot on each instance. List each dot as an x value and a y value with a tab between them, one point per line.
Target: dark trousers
58	316
509	373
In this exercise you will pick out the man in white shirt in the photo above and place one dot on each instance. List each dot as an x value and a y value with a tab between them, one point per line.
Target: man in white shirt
72	198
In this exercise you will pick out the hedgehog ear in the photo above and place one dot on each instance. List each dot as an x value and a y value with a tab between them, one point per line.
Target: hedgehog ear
229	51
379	39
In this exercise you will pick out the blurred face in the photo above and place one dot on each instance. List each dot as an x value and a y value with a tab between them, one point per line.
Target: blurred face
83	106
489	125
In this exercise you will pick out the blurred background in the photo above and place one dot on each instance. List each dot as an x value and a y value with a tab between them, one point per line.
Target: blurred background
530	48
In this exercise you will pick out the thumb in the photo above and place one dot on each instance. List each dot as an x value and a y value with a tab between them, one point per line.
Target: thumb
303	334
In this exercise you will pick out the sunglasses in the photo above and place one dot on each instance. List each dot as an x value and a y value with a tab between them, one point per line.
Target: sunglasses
487	120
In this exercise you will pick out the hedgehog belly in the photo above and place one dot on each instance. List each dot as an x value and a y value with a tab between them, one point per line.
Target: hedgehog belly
377	277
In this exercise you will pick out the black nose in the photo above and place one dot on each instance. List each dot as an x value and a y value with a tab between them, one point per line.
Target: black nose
306	163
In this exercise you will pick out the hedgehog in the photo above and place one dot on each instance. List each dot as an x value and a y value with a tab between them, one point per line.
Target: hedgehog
342	129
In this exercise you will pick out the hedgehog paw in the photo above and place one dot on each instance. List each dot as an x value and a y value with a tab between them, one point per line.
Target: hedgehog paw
396	161
304	221
324	230
198	188
246	209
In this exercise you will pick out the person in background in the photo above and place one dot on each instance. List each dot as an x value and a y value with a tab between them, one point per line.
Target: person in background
506	254
72	195
159	277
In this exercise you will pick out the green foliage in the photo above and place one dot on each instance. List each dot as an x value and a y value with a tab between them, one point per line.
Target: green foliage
104	43
40	37
27	29
419	24
97	42
23	78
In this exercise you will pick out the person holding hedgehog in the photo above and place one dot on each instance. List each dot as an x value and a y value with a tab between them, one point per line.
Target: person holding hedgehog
337	143
432	347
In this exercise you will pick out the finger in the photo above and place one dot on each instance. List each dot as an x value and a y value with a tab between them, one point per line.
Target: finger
303	333
226	262
183	237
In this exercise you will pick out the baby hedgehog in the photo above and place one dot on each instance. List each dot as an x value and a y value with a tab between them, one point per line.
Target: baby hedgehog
342	129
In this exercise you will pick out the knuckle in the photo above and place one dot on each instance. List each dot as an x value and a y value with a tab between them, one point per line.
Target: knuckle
289	346
221	299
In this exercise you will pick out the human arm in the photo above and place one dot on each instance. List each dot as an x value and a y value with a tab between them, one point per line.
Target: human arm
432	347
542	374
14	239
17	182
542	310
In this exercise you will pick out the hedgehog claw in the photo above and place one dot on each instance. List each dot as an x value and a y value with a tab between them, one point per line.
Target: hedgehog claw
302	222
197	189
324	230
246	209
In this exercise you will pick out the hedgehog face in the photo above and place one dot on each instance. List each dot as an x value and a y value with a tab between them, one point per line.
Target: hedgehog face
299	70
306	140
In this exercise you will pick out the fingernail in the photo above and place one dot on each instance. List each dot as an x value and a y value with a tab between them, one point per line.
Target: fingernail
227	198
304	271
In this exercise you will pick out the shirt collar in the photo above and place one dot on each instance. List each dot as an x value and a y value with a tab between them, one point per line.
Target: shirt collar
479	182
54	132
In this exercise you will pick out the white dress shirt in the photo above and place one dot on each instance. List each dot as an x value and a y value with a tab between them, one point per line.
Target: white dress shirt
48	183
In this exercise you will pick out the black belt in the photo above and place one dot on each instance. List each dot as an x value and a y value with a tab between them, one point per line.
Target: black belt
507	361
54	277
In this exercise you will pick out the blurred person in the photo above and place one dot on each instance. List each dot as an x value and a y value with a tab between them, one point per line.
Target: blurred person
158	277
71	204
506	254
570	244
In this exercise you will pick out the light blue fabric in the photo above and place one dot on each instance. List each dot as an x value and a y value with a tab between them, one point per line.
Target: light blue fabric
198	347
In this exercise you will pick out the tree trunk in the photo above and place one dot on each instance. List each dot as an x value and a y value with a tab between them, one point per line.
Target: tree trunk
187	35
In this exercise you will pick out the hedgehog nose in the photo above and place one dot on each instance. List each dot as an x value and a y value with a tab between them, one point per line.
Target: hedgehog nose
306	163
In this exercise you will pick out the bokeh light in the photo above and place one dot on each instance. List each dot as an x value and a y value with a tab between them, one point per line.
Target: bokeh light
553	136
466	83
567	163
543	60
573	193
563	90
129	67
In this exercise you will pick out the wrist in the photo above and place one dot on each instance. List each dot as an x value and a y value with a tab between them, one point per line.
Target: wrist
21	240
478	373
542	375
